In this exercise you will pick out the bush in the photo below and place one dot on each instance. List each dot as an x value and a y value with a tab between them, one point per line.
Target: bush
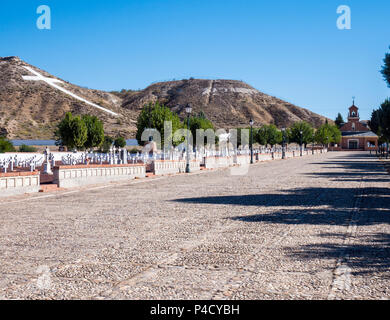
120	142
25	148
133	150
6	145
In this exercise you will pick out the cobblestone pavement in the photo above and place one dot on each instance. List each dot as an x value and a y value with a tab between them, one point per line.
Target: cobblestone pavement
309	228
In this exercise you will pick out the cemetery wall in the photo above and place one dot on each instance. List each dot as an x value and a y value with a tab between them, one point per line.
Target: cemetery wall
79	175
14	183
164	167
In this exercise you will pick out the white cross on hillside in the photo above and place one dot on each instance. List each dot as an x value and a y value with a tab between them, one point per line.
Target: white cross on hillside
52	82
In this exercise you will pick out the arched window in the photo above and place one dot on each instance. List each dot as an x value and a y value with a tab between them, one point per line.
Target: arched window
353	126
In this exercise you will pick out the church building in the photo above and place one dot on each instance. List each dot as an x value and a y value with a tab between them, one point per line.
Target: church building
356	135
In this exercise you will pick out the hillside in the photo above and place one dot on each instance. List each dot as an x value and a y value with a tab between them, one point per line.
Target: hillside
228	103
31	109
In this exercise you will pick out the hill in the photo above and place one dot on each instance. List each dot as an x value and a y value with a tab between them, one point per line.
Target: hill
31	108
228	103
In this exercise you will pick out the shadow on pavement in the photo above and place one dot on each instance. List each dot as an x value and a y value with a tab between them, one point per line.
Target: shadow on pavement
328	206
371	255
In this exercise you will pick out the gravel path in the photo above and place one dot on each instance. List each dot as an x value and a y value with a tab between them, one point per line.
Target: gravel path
309	228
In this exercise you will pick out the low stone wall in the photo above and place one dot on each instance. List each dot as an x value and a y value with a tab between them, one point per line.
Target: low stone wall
243	159
164	167
194	166
80	175
14	183
218	162
223	162
210	162
264	157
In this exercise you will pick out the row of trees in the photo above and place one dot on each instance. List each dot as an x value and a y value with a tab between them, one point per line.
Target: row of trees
301	133
153	116
86	132
380	118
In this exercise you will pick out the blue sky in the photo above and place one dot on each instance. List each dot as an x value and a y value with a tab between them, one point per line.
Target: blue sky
289	49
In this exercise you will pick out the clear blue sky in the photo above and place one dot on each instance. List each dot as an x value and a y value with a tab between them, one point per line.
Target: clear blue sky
289	49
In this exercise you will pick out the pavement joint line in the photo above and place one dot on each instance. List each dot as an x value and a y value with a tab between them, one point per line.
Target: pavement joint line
342	272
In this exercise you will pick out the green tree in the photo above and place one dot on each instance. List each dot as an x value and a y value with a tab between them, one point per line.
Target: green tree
158	114
386	68
261	136
64	132
95	132
274	135
296	136
268	135
79	132
120	142
199	122
339	120
375	122
327	134
6	145
108	141
380	121
72	131
336	134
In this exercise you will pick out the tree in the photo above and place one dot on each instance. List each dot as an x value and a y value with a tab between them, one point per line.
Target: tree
79	132
380	121
339	120
274	135
72	131
336	134
64	132
268	134
120	142
386	68
200	122
95	132
108	141
6	145
327	134
375	121
261	136
296	136
158	114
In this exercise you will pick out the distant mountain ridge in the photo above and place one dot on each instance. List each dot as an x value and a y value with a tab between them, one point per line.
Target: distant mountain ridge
32	109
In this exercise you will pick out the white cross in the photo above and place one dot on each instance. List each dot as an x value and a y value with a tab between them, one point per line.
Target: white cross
52	82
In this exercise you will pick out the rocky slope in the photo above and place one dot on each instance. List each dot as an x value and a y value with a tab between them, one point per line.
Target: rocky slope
32	109
228	103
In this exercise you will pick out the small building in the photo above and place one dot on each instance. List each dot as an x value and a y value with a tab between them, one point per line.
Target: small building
356	134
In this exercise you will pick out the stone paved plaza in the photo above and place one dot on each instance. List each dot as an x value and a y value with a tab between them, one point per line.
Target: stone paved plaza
310	228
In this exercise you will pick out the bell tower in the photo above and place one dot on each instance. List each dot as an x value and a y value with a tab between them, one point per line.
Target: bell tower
353	115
